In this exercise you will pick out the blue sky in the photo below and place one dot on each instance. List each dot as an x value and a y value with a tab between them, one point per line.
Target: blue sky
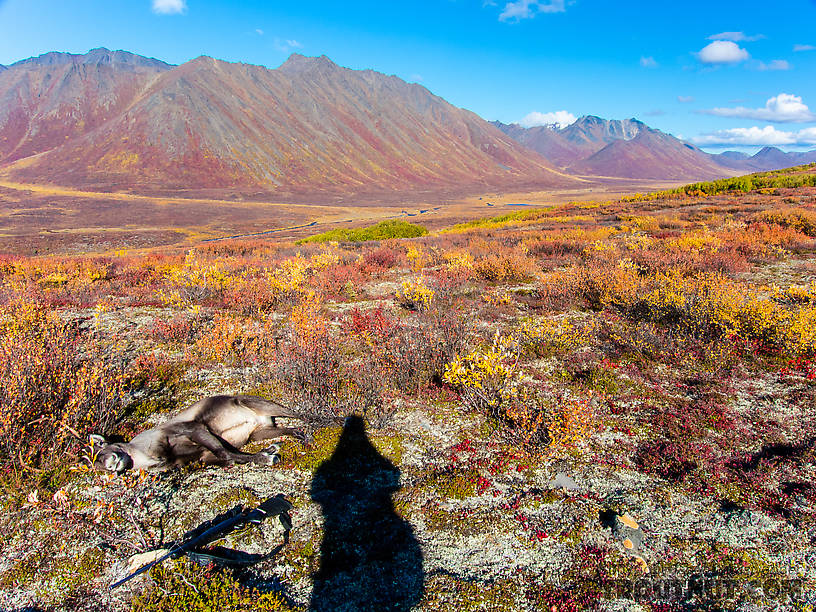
715	72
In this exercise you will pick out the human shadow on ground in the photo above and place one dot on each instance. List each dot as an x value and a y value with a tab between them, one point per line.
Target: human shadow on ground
369	557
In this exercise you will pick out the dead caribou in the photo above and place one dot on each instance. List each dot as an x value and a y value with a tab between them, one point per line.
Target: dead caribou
211	431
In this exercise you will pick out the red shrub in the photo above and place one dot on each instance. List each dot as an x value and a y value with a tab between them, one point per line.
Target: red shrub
379	259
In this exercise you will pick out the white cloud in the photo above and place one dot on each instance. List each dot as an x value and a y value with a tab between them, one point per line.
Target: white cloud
784	108
527	9
800	48
736	36
560	119
259	31
169	7
648	62
287	45
685	99
756	136
774	65
722	52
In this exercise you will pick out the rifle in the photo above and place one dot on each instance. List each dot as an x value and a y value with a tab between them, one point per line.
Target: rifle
221	526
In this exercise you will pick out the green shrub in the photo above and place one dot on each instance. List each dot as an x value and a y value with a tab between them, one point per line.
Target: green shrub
383	230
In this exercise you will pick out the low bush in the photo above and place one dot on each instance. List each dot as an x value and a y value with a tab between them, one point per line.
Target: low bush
416	295
799	219
383	230
58	383
504	266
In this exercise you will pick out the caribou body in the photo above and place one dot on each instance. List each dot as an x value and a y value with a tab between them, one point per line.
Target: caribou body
211	431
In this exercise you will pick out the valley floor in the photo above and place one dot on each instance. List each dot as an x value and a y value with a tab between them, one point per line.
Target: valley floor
592	405
50	219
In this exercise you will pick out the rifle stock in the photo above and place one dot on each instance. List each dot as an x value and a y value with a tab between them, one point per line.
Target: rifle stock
214	530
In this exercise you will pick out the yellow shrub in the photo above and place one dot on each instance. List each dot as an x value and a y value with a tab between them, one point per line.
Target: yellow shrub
489	381
416	295
597	246
800	333
796	294
194	281
632	223
308	325
559	335
416	258
708	305
232	340
487	377
459	259
608	287
638	242
696	242
58	383
799	219
323	260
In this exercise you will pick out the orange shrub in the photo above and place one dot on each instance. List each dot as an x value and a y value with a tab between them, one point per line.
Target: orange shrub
571	421
505	266
58	383
232	340
800	219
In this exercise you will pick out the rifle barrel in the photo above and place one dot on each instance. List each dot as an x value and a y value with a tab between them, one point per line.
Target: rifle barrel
209	533
278	505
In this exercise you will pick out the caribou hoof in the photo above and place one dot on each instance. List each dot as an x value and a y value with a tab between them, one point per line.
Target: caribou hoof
302	437
269	456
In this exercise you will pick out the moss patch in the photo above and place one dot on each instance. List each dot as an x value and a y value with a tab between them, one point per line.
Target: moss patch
186	586
57	578
308	457
448	592
456	483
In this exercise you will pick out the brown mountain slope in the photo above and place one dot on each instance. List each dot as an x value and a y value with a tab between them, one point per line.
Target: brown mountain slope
308	126
625	148
768	158
575	142
651	155
48	100
547	141
593	132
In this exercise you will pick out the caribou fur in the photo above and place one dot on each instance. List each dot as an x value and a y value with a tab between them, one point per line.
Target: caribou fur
211	431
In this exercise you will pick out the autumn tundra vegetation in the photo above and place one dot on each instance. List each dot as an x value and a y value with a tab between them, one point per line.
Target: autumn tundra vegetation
544	380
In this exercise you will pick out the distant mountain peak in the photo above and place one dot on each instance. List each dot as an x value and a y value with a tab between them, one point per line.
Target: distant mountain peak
590	119
298	64
98	56
591	129
768	151
203	60
737	155
629	148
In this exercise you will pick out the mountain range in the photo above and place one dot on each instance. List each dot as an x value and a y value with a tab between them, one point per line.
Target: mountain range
113	120
631	149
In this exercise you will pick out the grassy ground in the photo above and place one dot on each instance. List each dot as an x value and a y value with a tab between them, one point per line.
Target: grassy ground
593	405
